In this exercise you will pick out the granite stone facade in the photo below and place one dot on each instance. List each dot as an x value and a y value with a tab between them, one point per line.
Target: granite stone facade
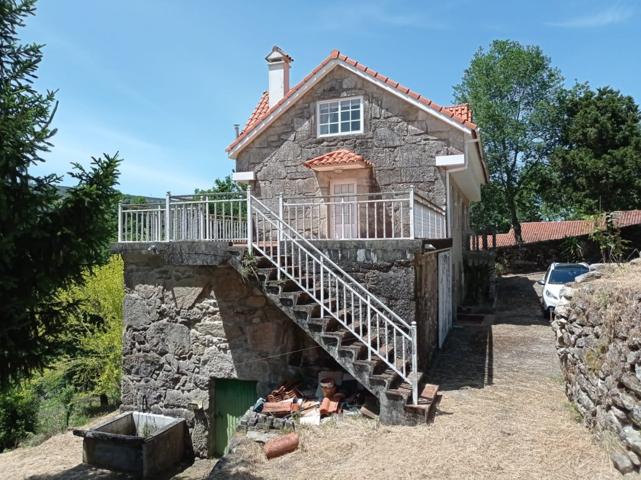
188	325
400	140
402	274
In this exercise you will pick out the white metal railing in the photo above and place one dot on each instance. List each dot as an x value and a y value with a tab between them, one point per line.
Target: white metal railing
384	215
429	220
384	334
220	216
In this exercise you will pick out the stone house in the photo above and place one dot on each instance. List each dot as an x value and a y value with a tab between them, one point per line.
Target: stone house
345	252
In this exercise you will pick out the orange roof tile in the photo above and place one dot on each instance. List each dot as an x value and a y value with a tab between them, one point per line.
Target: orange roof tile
462	111
341	157
457	112
543	231
259	112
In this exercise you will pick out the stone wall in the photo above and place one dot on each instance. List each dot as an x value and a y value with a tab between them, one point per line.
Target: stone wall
402	274
400	140
187	325
598	330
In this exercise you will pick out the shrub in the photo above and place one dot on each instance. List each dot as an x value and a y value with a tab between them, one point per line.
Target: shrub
18	415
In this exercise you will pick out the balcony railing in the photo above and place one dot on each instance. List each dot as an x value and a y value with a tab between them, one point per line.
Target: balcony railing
223	217
187	217
385	215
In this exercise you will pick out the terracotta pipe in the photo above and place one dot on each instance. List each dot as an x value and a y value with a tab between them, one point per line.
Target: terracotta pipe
281	445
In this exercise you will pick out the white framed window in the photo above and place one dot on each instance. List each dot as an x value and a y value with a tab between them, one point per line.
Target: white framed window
340	117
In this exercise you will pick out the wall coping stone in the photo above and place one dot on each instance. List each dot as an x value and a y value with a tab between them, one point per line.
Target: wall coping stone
193	253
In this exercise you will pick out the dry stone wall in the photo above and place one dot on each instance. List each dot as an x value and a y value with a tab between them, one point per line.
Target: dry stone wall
598	331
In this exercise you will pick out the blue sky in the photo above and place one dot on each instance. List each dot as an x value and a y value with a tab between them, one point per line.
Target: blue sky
164	81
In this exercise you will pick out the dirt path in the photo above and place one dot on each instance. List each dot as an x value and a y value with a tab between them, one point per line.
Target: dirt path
503	416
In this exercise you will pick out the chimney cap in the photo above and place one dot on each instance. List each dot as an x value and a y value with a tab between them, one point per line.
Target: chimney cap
278	55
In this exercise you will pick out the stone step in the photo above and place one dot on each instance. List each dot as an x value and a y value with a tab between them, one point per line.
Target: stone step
337	339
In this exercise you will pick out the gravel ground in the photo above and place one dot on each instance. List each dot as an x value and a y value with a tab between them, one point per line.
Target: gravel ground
503	415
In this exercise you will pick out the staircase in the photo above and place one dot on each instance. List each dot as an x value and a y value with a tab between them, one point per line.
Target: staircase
360	332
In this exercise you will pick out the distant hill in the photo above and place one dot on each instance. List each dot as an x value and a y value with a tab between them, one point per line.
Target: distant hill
127	198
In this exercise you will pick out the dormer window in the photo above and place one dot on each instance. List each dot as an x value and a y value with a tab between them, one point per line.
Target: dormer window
340	117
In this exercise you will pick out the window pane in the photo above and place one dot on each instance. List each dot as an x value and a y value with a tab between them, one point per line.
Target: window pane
344	116
345	104
333	128
356	103
323	129
333	117
324	118
356	114
323	108
356	126
345	127
333	107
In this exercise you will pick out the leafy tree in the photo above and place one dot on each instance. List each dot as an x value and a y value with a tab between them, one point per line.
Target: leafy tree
597	166
47	239
512	90
224	185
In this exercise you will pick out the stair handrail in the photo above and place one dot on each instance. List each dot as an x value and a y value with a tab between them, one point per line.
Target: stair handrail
324	261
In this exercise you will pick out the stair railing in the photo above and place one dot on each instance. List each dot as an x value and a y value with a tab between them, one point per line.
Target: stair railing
385	334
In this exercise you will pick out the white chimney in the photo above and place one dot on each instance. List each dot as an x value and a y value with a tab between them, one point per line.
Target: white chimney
278	63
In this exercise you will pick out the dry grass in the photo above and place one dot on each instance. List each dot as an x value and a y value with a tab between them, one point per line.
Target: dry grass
514	423
517	426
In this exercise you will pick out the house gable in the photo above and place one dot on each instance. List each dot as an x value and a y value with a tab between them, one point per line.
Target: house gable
399	139
457	116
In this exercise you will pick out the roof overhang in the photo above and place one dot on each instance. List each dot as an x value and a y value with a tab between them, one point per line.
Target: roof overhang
466	170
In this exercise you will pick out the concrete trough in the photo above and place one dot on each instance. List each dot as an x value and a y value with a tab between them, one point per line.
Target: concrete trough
141	444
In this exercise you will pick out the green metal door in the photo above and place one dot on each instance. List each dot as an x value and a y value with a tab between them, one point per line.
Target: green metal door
232	398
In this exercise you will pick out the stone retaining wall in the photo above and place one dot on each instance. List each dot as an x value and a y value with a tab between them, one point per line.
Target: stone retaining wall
598	330
188	325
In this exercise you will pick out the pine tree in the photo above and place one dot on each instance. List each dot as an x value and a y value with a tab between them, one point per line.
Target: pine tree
46	239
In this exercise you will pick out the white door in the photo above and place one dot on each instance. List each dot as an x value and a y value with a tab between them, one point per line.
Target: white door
444	296
343	202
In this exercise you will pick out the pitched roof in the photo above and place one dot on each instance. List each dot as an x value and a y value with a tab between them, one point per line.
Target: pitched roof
462	111
341	157
544	231
459	113
259	112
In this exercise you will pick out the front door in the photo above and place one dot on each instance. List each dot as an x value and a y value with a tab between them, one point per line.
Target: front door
232	398
343	203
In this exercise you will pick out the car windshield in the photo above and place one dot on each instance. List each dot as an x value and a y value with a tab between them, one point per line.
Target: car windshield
566	274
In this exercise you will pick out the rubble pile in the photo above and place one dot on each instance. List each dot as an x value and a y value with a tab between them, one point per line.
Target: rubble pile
308	404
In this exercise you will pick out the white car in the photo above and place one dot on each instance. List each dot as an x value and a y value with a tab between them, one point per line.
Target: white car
558	274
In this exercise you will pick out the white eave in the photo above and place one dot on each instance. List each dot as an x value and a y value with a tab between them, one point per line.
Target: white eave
290	101
466	170
243	177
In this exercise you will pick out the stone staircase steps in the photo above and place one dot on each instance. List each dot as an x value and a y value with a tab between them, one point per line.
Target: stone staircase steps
337	339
